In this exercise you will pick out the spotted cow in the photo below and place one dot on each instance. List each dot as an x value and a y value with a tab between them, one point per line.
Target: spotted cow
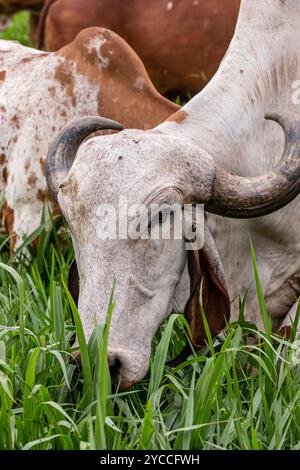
98	74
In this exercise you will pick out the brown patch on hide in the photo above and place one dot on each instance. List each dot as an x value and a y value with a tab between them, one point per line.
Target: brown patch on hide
117	76
5	174
41	195
45	195
178	117
26	166
55	209
2	159
30	58
25	60
2	75
42	165
52	91
15	121
65	78
8	217
32	179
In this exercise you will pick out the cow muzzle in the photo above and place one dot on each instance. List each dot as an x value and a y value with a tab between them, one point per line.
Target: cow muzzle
126	370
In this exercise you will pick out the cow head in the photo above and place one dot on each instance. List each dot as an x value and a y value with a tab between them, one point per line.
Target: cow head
152	276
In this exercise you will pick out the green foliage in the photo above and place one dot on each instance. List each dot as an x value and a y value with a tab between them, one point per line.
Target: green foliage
18	31
234	394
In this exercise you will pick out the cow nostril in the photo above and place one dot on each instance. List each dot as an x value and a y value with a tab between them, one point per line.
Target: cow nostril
114	365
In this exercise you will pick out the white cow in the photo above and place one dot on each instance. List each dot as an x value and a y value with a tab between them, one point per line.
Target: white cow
193	157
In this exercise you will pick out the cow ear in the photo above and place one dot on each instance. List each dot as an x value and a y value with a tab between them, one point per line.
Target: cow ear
206	275
73	281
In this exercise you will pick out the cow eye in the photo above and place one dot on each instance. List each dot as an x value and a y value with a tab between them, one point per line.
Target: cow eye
158	218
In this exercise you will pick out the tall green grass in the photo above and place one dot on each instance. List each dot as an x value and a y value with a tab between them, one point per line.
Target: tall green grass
229	396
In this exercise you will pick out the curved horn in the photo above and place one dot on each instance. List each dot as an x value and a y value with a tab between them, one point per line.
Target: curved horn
239	197
63	150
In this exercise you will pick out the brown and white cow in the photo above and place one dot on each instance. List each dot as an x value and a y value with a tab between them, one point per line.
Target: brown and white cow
181	42
98	73
218	151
